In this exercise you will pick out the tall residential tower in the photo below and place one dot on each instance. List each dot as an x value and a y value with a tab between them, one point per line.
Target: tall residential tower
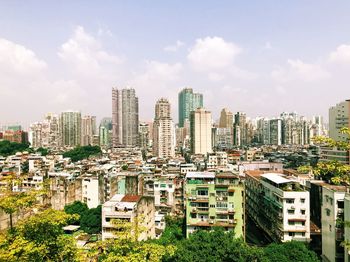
125	117
188	102
163	130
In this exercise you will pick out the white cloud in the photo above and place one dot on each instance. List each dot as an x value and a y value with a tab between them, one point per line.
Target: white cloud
341	55
19	60
299	70
212	53
174	48
84	53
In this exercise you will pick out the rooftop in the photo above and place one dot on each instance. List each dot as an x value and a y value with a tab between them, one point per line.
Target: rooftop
200	175
277	178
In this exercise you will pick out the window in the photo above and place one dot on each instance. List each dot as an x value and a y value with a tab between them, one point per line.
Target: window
302	200
202	192
303	234
302	211
291	234
193	215
291	223
213	206
330	228
328	212
290	200
291	211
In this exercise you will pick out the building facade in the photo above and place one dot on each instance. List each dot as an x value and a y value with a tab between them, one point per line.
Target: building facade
188	102
213	200
201	133
125	117
279	205
70	128
163	130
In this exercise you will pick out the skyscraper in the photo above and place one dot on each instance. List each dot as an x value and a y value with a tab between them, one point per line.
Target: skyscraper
88	130
105	132
339	118
125	117
188	102
163	130
275	131
240	129
70	128
226	119
201	133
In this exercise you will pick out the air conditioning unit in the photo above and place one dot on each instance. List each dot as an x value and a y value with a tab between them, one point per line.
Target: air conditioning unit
231	221
211	221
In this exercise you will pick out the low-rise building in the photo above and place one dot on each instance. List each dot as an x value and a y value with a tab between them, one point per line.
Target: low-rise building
213	200
137	210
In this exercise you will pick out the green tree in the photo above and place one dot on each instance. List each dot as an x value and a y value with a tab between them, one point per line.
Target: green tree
91	220
173	231
290	251
42	151
8	148
78	208
216	245
332	171
82	152
125	246
39	238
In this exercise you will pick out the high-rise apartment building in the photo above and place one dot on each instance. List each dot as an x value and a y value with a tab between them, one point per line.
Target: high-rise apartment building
226	119
240	129
70	128
45	133
279	205
125	117
339	118
275	131
105	132
188	102
88	130
201	131
163	130
145	135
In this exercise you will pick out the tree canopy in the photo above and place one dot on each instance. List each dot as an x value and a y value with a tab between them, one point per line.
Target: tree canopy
82	152
90	220
39	238
8	148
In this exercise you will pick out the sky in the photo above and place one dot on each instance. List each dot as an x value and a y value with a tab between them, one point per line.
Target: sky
259	57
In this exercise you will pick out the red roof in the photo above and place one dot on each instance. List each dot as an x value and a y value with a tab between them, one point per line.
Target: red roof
131	198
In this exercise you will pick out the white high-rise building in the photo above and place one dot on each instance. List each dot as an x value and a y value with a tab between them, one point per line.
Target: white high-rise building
125	117
163	130
88	130
45	133
201	134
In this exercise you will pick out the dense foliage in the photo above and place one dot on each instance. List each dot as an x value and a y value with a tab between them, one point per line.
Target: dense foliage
332	171
82	152
8	148
90	220
39	238
289	251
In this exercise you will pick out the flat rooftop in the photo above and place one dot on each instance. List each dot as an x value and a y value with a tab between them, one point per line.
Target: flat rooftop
200	175
277	178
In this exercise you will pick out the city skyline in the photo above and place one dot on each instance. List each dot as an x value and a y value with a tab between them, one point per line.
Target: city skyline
248	57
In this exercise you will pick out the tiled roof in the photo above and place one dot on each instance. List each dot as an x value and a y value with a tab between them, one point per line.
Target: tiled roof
131	198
